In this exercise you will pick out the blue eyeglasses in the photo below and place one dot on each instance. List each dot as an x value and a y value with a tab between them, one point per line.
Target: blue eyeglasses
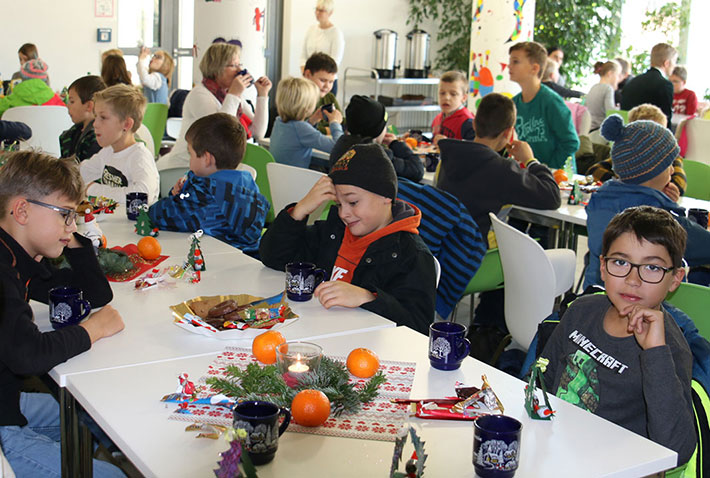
69	215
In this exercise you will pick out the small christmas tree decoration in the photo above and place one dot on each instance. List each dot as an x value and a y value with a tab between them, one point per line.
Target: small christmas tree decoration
144	226
532	403
194	257
414	468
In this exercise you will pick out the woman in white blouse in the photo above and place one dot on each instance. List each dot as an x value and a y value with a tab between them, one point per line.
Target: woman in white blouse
324	37
220	91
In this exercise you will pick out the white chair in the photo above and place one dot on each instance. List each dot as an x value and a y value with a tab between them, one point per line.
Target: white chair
437	268
143	134
248	169
172	127
289	184
533	278
46	122
698	131
168	178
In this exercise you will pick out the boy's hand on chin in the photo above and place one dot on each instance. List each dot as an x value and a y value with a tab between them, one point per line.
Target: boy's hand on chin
646	325
672	191
344	294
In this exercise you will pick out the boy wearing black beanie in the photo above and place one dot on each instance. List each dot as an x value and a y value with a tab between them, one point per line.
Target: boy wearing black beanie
367	123
369	244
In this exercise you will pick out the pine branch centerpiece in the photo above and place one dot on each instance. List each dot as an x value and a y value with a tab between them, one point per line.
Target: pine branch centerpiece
266	383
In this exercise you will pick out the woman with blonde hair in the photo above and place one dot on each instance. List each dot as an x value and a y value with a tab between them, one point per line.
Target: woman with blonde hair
324	37
293	138
224	81
155	74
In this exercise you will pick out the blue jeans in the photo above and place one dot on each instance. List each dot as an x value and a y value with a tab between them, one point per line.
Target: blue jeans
34	450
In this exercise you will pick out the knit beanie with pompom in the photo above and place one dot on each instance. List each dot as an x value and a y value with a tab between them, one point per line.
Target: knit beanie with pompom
642	150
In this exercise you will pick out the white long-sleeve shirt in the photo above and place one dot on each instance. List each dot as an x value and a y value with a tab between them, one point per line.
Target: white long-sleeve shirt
117	174
329	40
200	102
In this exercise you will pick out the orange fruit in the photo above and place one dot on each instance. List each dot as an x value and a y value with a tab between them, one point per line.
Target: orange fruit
104	242
264	346
411	142
560	176
310	408
149	248
363	363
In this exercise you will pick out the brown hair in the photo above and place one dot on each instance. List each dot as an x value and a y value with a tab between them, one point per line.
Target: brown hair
168	65
453	77
662	52
29	50
650	112
534	52
126	101
86	86
320	61
653	224
681	73
609	66
495	114
624	64
216	59
36	175
221	135
114	72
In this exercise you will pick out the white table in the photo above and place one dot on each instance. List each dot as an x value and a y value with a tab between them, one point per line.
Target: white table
125	403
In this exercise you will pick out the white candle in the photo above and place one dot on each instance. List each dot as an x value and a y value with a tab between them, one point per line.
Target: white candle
298	367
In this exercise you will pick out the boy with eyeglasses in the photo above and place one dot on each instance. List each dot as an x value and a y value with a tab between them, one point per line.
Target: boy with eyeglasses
621	355
642	157
38	199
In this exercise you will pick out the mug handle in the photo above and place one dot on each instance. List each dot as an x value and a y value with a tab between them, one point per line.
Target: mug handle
464	348
320	276
87	308
287	419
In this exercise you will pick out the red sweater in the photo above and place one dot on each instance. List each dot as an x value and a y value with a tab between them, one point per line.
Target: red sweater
685	102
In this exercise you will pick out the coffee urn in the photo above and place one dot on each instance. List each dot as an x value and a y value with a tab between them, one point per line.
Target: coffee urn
385	50
416	60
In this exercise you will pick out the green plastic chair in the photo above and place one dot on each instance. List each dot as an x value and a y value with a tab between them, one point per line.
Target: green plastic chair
155	118
623	113
698	175
258	157
489	276
694	300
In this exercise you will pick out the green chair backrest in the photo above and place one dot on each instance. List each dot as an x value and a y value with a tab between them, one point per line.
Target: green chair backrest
258	157
694	300
698	175
155	118
489	275
623	113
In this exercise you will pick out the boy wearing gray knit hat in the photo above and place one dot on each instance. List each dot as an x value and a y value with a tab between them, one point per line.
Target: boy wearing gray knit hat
642	157
369	245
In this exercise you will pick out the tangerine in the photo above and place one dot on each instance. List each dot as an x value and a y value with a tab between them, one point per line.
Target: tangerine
149	248
264	346
363	363
560	176
104	242
411	142
310	408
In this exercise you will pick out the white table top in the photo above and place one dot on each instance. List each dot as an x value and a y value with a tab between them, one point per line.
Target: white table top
125	403
150	334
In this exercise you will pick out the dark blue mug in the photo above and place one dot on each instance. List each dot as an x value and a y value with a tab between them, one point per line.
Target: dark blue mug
302	278
496	446
67	306
260	421
699	215
134	201
448	345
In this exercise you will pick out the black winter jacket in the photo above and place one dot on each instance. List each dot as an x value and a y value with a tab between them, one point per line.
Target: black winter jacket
398	268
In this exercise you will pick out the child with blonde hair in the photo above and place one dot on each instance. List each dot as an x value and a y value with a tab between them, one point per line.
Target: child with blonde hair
293	138
155	74
123	165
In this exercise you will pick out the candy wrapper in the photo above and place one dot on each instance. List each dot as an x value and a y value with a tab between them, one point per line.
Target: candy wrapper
532	403
233	316
477	402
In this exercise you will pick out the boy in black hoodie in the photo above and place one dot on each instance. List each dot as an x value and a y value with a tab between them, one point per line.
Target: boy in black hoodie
369	244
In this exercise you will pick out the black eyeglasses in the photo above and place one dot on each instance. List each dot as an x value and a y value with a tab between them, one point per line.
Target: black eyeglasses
69	215
650	273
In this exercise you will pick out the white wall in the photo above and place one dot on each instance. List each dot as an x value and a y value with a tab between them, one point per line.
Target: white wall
65	35
357	20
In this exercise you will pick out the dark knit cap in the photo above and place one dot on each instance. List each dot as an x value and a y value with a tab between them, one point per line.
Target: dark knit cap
642	150
365	116
368	167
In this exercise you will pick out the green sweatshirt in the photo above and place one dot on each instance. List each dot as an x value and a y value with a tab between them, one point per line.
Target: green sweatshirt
546	124
27	93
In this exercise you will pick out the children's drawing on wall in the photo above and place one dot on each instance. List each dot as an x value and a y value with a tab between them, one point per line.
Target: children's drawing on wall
258	20
518	12
481	79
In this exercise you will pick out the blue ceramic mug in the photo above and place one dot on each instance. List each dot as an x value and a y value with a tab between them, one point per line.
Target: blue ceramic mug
496	446
448	345
260	420
67	306
699	215
134	201
302	278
